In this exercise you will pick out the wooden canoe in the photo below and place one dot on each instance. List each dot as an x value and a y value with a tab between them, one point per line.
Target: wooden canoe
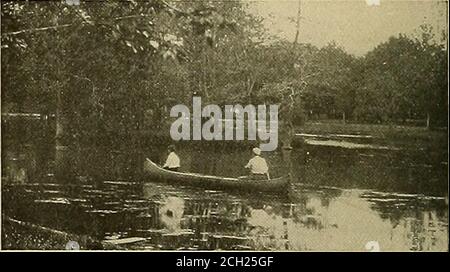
158	174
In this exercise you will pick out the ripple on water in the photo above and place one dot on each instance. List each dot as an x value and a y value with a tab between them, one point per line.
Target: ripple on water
211	219
126	241
61	201
102	212
125	183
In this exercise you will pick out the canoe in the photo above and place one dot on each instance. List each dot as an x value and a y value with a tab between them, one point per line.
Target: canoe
159	174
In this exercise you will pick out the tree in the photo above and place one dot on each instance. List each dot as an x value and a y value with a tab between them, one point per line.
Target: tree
404	79
95	61
332	88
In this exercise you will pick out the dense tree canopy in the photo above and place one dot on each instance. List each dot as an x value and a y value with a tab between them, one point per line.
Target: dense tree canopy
115	61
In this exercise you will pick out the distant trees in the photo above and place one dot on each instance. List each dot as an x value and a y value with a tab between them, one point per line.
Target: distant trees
332	88
113	61
404	78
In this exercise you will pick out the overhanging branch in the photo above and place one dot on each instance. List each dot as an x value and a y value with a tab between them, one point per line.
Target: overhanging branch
55	27
36	29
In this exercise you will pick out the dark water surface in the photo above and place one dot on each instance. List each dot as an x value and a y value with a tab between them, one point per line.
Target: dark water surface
160	216
341	199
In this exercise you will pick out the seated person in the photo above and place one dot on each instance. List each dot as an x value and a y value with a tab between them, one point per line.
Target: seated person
258	166
173	161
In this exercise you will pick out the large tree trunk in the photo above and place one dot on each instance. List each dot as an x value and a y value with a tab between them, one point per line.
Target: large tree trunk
63	155
287	125
287	135
140	135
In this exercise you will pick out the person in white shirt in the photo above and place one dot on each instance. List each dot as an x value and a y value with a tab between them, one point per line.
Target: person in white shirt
173	161
258	165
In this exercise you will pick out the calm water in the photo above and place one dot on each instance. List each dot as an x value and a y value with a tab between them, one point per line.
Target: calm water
167	217
341	199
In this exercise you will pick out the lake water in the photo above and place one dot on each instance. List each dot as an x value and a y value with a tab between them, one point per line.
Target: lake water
167	217
341	199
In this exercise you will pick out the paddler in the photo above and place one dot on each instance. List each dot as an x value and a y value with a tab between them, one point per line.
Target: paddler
258	165
173	161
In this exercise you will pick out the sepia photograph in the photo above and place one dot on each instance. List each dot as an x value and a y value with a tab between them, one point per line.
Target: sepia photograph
224	125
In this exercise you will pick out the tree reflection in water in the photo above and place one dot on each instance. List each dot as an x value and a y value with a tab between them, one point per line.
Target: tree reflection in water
170	217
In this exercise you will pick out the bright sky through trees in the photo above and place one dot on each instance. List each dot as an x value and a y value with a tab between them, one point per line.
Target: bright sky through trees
357	25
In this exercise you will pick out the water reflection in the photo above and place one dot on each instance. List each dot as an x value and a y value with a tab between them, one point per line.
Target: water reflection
171	213
157	216
314	216
405	170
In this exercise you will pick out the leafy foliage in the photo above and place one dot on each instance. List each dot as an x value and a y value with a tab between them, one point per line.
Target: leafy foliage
114	63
